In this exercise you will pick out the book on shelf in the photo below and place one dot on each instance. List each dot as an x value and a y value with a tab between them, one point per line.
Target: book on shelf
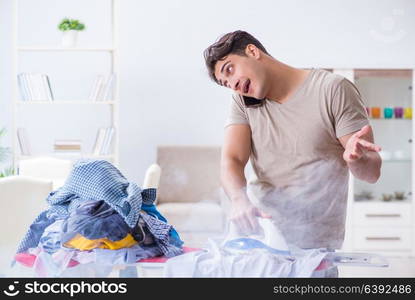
106	149
23	141
48	87
102	88
67	145
34	87
95	87
103	141
98	141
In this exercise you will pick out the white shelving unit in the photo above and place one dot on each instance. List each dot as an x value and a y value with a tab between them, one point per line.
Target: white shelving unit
385	227
113	103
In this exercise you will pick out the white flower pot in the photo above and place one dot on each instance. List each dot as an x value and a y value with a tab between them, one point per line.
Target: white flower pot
69	38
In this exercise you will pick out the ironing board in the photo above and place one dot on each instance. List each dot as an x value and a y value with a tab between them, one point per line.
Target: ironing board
28	260
154	267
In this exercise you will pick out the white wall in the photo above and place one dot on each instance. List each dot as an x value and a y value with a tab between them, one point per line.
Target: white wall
5	69
166	95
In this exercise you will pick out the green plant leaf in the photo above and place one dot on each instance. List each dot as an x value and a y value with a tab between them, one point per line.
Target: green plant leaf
70	24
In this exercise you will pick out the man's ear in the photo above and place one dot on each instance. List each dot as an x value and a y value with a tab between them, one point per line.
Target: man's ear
252	51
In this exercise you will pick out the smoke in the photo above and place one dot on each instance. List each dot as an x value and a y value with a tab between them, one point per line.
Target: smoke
310	208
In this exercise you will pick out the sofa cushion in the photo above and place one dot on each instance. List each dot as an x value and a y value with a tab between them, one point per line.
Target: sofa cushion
189	217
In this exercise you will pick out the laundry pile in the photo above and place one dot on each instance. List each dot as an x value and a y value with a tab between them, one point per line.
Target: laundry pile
98	217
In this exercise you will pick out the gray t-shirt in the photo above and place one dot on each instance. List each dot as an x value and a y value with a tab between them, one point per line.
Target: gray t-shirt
302	179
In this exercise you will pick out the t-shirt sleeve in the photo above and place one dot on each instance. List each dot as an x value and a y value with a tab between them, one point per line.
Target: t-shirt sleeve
237	113
348	109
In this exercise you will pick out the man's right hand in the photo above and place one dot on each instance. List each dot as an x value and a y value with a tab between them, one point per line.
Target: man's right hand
243	215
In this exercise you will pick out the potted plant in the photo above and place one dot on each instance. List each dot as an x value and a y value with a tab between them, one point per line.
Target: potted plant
70	28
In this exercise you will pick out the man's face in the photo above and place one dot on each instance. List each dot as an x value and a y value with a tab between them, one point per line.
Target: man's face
244	74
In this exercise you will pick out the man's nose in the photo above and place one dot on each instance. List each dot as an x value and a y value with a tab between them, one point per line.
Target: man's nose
235	85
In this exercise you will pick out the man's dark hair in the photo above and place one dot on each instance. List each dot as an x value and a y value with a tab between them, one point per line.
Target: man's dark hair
230	43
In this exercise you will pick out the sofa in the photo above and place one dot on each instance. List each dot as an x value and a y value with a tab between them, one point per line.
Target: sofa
21	200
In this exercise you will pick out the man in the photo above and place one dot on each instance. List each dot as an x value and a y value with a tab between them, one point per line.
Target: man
303	130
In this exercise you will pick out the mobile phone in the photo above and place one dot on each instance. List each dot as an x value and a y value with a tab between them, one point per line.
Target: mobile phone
251	101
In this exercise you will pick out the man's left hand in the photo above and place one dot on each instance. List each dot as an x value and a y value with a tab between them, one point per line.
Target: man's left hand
357	146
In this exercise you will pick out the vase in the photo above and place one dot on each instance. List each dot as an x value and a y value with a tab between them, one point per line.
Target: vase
69	38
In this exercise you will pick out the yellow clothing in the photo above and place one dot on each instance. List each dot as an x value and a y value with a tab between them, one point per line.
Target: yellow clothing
81	243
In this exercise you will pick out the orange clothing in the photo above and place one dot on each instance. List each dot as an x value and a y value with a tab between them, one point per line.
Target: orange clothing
81	243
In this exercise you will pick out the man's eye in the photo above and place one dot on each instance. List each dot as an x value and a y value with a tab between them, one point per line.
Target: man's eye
229	69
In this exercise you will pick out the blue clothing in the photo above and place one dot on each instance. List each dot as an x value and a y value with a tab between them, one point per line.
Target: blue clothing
160	230
33	235
99	180
50	240
95	220
151	210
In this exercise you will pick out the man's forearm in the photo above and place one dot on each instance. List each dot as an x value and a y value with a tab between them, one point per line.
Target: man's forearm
367	168
233	179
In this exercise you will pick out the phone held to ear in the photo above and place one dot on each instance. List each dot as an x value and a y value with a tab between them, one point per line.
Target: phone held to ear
251	101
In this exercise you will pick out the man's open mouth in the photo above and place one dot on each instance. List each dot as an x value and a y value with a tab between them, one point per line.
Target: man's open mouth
247	83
